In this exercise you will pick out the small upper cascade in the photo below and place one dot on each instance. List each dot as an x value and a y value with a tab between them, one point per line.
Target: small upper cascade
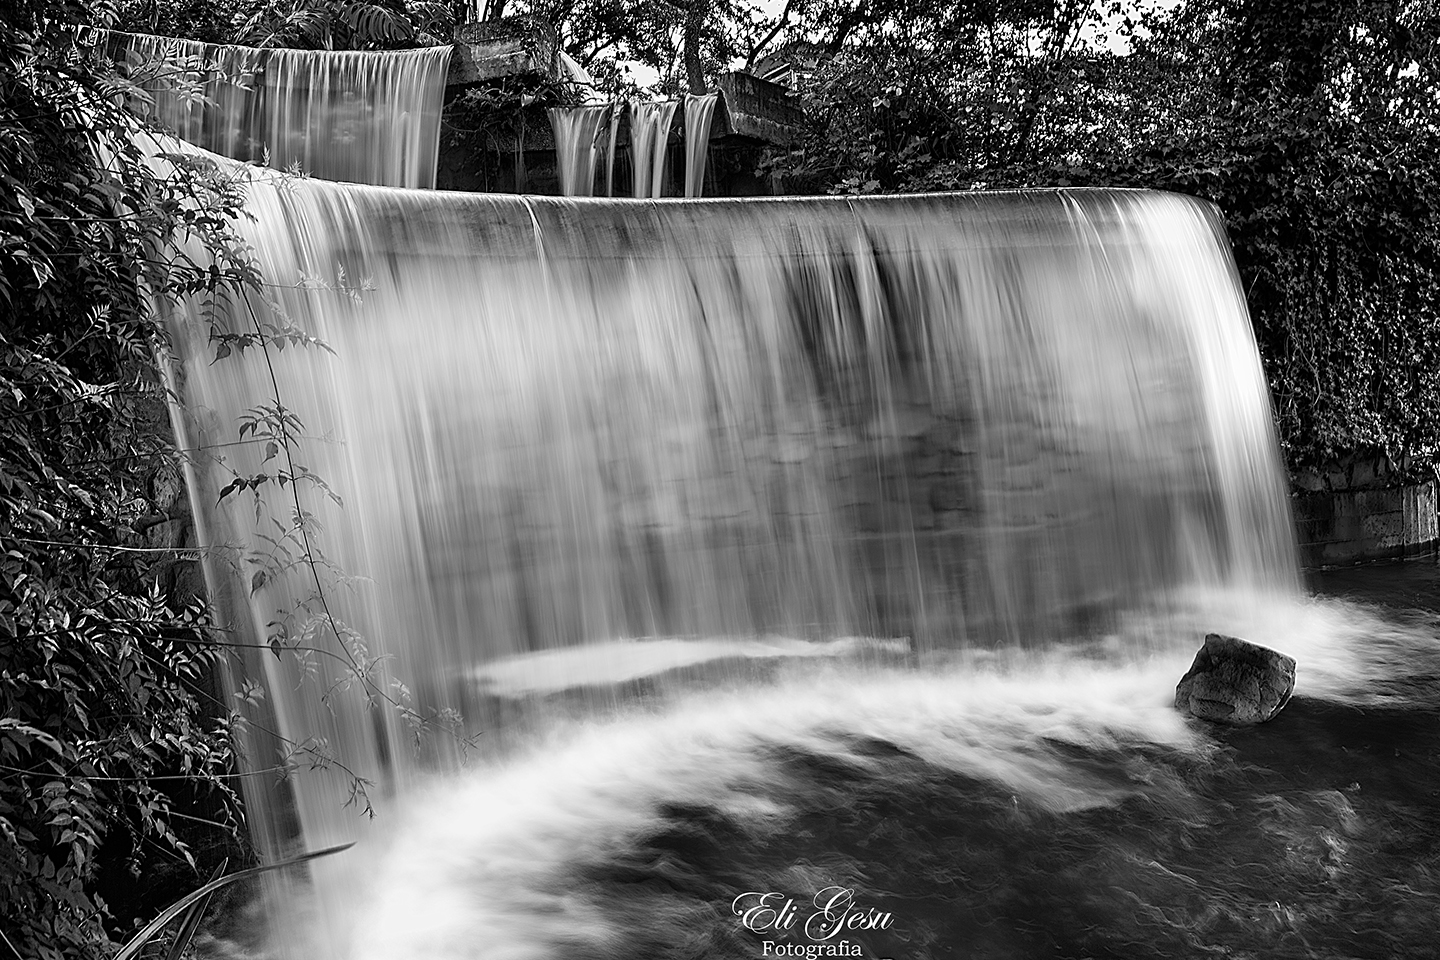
615	116
699	113
578	146
649	133
575	72
358	116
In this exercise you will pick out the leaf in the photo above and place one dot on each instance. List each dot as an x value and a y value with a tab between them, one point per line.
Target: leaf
237	484
34	733
192	919
135	944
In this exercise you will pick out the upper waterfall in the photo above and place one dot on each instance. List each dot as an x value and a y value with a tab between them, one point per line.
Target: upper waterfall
360	116
699	112
578	147
649	139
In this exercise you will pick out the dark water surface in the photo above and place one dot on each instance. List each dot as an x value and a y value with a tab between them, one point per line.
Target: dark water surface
1398	586
1313	836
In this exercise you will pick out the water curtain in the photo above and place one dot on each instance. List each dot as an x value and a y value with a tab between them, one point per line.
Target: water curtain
699	112
963	419
611	144
649	138
578	146
365	117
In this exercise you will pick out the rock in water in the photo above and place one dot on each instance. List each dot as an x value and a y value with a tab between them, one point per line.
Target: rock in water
1235	681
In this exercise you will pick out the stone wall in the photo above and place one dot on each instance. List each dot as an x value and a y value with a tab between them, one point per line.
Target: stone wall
1348	526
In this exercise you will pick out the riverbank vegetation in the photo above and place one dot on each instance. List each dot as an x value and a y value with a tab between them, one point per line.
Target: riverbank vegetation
116	759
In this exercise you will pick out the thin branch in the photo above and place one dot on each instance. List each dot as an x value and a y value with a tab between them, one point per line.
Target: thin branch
145	778
780	23
308	557
11	946
108	546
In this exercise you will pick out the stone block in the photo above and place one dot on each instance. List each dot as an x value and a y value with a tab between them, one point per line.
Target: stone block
952	495
756	109
513	46
1346	526
953	436
1418	511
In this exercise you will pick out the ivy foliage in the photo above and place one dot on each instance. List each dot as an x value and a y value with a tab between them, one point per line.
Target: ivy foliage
1313	125
114	749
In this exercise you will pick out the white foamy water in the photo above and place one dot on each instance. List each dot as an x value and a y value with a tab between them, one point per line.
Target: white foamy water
487	866
491	864
600	664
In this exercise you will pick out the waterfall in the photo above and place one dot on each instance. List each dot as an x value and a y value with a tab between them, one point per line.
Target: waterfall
699	112
577	145
365	117
630	557
549	427
610	146
649	137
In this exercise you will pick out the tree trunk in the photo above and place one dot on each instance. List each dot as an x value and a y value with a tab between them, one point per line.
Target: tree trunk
694	20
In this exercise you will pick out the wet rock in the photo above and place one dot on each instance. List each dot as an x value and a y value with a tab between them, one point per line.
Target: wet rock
1235	681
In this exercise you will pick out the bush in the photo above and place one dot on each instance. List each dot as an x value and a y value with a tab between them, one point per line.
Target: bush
108	719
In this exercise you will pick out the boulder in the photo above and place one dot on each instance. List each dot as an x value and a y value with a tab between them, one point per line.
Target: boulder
1235	681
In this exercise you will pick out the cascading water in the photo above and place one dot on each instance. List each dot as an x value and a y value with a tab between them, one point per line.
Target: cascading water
365	117
810	575
649	137
558	424
699	112
579	148
577	145
611	144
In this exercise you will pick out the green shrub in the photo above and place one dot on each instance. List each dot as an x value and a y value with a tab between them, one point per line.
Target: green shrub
108	719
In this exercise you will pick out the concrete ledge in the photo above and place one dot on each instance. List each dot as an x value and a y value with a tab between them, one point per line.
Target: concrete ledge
514	46
1350	526
756	109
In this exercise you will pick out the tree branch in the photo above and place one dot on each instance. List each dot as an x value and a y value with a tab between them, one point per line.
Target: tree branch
774	32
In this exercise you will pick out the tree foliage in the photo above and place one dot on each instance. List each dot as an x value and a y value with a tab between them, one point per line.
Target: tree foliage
674	45
106	718
299	24
348	25
1315	127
